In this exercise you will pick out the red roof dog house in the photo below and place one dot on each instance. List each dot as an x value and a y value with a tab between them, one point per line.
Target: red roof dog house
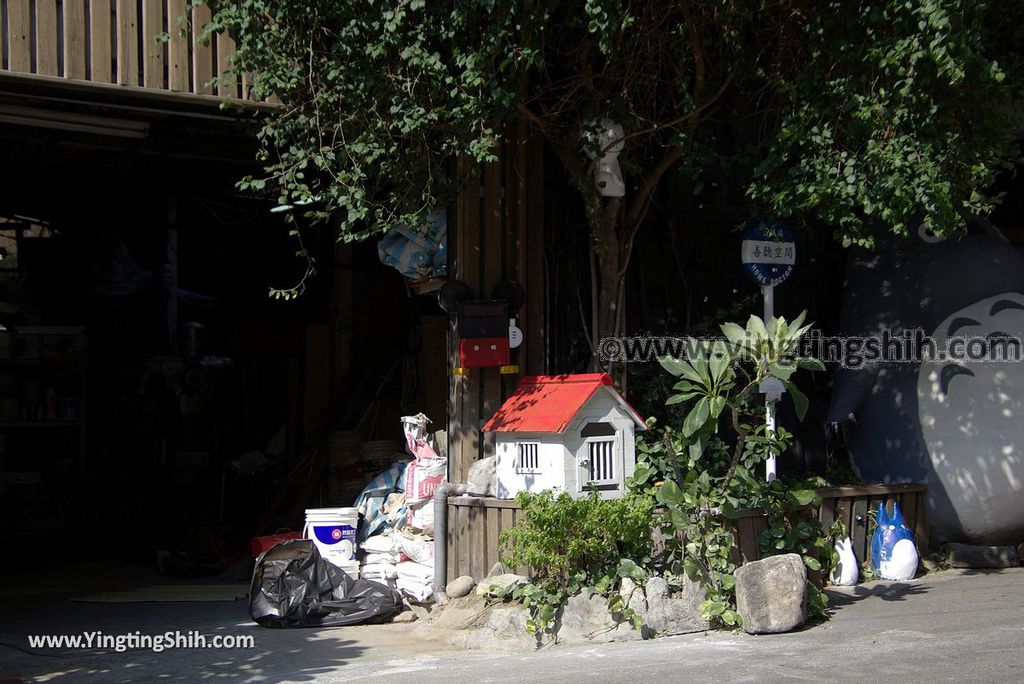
566	433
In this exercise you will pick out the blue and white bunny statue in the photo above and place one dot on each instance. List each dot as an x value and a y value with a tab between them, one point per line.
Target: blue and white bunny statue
893	548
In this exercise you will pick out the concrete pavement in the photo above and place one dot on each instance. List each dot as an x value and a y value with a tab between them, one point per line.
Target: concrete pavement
950	626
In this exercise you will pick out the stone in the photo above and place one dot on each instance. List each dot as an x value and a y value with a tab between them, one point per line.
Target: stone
667	615
771	594
585	619
498	569
460	586
508	622
633	596
406	616
490	586
970	556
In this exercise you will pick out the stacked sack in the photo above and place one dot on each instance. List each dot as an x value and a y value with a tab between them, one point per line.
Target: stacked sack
380	559
416	569
397	546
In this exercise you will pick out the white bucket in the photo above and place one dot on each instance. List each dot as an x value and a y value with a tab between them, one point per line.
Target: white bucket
333	530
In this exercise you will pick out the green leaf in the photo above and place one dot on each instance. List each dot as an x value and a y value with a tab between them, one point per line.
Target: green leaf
799	400
810	363
669	494
696	418
803	497
812	563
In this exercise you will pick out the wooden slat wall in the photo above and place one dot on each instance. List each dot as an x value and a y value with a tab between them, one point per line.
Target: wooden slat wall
19	35
474	528
74	39
202	54
475	523
497	234
153	69
127	43
99	41
179	79
46	37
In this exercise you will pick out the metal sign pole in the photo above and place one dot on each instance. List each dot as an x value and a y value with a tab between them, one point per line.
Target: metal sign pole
768	294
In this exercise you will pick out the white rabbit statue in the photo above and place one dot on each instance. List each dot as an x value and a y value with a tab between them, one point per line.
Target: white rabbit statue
847	572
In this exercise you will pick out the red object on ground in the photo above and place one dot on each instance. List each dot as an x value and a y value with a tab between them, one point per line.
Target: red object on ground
548	403
261	544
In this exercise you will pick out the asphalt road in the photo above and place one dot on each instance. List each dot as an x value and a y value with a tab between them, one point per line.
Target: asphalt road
949	626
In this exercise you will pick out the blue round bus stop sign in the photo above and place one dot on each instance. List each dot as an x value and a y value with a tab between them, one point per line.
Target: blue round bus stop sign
768	252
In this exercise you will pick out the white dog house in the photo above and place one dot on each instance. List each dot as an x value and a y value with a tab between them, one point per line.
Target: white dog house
564	433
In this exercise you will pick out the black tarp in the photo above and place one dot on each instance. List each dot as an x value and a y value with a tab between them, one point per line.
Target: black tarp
292	586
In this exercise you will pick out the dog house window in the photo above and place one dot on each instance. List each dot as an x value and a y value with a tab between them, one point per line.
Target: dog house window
600	457
528	457
602	460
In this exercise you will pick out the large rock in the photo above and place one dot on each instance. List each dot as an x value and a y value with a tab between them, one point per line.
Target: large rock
585	619
633	596
491	586
667	615
771	594
969	556
460	586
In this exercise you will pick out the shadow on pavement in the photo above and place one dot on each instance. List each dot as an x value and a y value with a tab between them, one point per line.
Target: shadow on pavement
887	591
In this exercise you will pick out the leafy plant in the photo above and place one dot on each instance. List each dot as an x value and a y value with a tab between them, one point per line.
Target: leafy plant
572	544
704	471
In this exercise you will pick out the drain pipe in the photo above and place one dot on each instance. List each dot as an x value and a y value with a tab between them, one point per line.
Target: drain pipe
441	495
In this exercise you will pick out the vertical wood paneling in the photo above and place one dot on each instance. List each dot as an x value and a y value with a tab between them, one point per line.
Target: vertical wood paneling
74	39
178	78
202	54
19	40
225	48
493	247
859	509
127	43
535	279
153	51
465	542
100	46
493	543
46	37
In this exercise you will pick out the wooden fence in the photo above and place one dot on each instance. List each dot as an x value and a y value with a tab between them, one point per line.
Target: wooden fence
114	42
474	524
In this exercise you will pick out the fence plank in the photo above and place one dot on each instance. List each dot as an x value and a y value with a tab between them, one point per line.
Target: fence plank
860	535
153	51
74	39
225	49
493	532
19	40
453	543
465	541
100	50
202	52
127	43
46	37
178	79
